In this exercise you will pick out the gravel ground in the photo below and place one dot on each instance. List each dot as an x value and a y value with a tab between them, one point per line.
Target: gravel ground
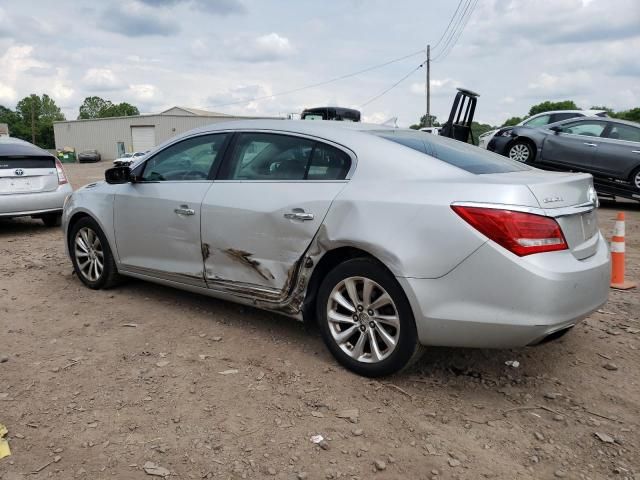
98	384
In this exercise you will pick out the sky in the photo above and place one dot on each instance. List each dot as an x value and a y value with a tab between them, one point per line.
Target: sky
211	53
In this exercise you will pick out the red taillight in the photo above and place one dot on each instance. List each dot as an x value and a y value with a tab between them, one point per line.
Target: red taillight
520	233
62	178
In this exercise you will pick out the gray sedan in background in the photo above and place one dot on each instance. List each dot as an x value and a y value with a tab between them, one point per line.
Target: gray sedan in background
389	239
608	149
32	182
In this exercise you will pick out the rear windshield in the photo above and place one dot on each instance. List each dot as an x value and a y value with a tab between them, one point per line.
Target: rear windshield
462	155
26	162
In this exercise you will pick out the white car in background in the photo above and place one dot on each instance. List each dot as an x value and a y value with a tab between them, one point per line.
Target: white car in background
432	130
32	182
542	119
128	158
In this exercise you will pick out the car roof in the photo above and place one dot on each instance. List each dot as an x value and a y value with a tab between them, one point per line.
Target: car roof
11	146
602	119
586	112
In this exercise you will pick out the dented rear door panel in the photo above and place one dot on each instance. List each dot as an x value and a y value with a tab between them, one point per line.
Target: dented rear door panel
252	236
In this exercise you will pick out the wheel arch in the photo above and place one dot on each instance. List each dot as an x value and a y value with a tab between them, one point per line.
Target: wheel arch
79	215
329	260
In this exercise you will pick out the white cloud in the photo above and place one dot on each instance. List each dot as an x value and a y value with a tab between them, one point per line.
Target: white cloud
563	84
265	48
101	79
143	92
7	93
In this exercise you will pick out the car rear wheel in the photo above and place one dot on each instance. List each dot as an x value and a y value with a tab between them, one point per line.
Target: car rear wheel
91	256
521	151
51	219
366	320
635	179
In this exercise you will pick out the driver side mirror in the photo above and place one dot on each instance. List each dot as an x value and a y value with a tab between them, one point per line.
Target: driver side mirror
117	175
556	129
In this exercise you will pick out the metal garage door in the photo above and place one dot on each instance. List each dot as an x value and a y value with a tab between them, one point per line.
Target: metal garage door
143	138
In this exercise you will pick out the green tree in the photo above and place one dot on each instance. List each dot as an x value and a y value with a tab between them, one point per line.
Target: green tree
632	115
609	111
548	106
92	107
423	122
38	113
119	110
510	122
17	128
478	129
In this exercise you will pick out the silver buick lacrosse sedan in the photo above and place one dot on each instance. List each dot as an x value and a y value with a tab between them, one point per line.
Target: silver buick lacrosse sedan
389	239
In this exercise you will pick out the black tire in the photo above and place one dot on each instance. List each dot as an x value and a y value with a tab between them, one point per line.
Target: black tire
51	219
521	150
407	349
635	179
109	275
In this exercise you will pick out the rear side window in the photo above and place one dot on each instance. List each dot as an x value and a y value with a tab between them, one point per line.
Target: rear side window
272	156
328	163
462	155
624	132
26	162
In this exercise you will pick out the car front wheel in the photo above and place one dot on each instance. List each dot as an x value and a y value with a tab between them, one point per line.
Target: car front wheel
91	256
366	320
521	151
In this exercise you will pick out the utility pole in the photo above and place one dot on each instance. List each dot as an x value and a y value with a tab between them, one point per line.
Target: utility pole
428	85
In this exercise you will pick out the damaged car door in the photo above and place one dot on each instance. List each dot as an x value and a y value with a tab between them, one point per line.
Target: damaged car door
157	217
261	214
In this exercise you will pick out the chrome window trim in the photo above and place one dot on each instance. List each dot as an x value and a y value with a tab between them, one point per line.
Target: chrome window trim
545	212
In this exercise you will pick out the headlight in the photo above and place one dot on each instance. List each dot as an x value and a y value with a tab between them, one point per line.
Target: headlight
506	133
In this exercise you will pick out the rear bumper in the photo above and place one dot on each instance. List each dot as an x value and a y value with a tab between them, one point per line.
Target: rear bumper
26	204
494	299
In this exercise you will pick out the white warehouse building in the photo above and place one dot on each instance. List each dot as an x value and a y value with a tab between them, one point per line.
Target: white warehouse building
114	136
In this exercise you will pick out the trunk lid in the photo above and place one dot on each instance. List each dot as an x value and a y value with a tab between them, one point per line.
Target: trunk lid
27	174
568	197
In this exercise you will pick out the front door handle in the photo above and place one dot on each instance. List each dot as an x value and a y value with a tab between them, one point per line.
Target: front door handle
299	214
185	210
635	151
590	144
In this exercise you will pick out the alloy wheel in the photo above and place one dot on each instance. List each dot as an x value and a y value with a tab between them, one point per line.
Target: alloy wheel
519	152
636	180
363	319
89	254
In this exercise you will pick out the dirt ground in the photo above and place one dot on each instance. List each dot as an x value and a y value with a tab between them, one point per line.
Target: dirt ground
95	384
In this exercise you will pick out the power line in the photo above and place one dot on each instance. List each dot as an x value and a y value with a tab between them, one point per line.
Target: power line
314	85
384	92
444	53
456	24
450	20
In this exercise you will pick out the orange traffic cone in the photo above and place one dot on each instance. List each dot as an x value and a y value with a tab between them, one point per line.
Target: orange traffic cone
617	256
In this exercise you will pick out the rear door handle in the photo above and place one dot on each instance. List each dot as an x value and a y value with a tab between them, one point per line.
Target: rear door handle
185	210
635	151
590	144
299	214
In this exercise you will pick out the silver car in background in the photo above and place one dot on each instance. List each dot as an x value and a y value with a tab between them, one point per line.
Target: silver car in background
389	239
32	182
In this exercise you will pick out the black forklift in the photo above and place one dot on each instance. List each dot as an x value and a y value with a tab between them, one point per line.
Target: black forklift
458	126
